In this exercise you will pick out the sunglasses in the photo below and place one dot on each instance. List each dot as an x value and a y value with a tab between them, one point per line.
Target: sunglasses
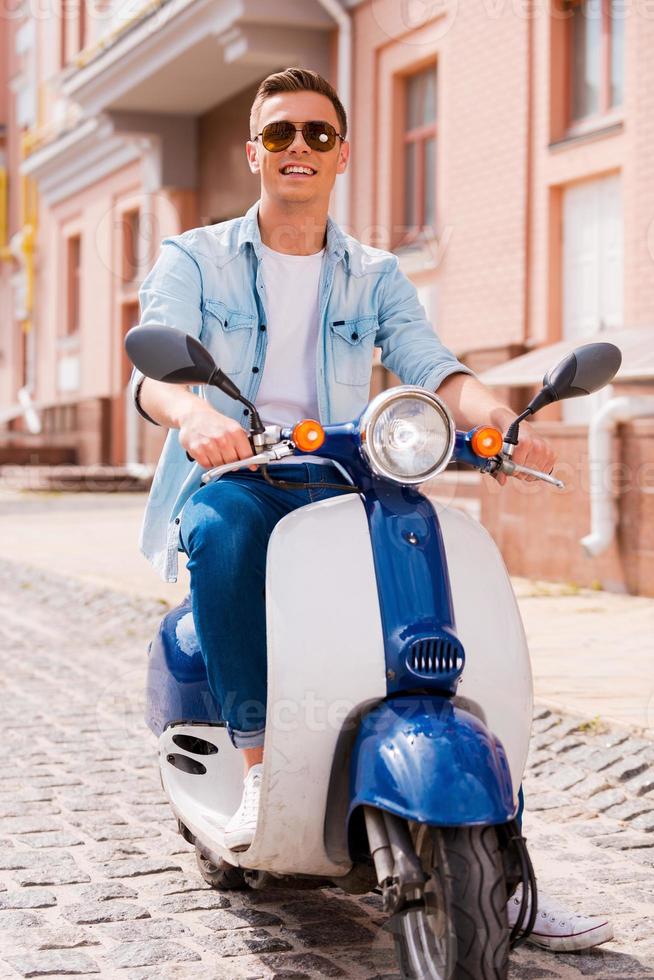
278	136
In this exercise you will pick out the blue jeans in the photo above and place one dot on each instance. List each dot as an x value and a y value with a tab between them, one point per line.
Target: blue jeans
224	530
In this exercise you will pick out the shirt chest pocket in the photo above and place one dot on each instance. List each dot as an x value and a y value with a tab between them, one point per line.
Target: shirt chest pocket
353	343
229	335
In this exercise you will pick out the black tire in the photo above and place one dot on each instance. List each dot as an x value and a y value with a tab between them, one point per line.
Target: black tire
223	876
461	933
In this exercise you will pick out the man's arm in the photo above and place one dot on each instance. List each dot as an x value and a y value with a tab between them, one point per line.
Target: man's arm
171	295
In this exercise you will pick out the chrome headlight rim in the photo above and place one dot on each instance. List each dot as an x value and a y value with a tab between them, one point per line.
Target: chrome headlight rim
379	404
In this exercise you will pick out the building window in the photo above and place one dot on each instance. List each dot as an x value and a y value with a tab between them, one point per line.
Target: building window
73	283
420	151
131	229
73	29
596	57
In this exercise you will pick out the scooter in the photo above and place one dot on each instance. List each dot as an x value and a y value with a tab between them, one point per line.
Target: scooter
399	684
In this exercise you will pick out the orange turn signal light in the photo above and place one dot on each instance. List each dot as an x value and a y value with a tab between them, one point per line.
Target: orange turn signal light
486	441
308	435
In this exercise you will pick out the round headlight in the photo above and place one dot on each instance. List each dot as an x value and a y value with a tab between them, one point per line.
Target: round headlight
407	434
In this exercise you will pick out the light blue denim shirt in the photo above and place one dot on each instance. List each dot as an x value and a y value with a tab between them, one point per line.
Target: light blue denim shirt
208	283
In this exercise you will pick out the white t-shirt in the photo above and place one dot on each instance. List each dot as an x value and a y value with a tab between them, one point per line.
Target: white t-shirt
288	390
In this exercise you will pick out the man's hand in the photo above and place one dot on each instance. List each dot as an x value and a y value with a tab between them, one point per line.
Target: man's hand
532	450
211	438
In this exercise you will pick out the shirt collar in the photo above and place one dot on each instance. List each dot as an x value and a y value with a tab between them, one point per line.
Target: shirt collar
249	232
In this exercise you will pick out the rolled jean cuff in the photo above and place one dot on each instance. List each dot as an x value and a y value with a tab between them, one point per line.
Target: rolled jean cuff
246	740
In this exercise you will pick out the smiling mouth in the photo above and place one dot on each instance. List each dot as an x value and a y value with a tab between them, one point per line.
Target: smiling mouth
293	170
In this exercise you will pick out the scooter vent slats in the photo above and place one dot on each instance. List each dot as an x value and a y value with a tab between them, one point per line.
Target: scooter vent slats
435	656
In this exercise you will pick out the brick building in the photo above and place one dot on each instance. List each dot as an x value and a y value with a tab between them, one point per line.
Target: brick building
503	148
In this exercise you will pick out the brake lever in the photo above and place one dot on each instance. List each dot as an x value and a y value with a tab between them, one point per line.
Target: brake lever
510	468
279	451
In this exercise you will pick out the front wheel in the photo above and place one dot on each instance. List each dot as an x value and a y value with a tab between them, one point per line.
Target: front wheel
459	930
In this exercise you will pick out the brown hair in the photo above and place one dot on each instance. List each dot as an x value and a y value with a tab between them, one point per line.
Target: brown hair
296	80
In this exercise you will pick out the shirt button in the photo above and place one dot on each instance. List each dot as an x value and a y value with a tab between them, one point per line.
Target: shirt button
355	336
255	370
262	328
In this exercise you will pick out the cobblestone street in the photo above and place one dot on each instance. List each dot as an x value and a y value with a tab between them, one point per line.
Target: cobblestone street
94	878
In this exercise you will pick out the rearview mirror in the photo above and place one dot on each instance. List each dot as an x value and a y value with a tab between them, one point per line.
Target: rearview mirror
581	372
168	354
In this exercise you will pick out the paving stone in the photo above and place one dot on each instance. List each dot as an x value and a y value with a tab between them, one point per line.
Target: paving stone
116	851
91	913
566	744
60	938
603	758
641	785
545	801
51	875
630	809
541	725
132	868
628	841
48	962
105	891
191	901
240	919
626	769
245	941
17	859
604	964
28	825
20	920
312	963
150	953
579	755
145	929
329	933
590	785
56	838
30	898
644	822
311	909
610	797
122	832
565	777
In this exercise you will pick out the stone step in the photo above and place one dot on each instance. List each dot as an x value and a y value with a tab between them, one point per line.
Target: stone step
77	478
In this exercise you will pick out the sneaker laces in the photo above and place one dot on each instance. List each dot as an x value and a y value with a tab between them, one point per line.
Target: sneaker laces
249	807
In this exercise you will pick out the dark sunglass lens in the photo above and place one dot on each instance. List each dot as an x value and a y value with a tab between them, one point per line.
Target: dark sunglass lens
277	136
319	135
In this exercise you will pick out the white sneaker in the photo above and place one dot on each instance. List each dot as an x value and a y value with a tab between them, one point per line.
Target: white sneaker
239	829
561	931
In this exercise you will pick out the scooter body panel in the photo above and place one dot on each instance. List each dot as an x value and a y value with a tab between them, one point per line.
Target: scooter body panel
497	679
425	759
325	658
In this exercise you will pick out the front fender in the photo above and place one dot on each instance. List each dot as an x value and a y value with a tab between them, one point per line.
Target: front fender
425	759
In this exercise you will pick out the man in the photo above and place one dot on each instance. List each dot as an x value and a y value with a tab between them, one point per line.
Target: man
291	309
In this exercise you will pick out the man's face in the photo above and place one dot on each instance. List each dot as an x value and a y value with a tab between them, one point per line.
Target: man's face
297	107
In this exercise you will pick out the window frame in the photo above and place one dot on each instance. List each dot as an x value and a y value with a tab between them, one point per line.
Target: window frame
418	136
605	109
72	322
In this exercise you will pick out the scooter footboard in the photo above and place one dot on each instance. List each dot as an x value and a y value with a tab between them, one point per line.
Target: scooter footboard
425	759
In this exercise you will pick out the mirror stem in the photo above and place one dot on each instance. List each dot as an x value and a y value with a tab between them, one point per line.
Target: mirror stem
257	428
512	433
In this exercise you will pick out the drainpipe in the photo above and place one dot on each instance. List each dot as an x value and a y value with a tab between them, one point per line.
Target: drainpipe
600	434
344	86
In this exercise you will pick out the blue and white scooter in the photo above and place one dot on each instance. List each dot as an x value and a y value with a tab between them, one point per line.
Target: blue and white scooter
399	684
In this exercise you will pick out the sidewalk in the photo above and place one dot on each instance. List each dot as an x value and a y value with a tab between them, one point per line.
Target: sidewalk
592	652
